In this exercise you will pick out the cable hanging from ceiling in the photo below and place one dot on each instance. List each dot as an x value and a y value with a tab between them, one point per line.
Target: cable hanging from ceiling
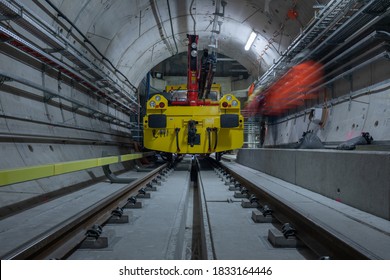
170	19
86	40
192	16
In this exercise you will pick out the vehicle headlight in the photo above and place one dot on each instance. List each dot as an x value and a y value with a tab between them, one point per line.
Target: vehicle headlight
228	97
152	104
158	97
234	103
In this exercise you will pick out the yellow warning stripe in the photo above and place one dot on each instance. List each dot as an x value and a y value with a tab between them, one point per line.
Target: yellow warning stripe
23	174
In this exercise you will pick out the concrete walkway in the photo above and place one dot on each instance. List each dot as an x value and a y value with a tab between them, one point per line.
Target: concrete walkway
367	232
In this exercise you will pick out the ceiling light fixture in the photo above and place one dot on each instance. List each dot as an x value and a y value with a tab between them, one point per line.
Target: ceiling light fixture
250	41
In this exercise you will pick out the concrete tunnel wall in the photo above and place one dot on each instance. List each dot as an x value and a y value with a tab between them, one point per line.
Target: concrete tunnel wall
360	179
34	132
355	105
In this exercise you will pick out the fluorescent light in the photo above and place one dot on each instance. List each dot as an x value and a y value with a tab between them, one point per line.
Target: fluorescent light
250	41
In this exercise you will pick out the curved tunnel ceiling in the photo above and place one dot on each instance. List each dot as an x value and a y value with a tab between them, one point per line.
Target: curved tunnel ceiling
136	35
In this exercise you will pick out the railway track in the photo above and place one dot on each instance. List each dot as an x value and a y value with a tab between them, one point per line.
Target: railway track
198	209
56	241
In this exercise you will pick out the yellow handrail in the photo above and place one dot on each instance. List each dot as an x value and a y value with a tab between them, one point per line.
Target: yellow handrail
23	174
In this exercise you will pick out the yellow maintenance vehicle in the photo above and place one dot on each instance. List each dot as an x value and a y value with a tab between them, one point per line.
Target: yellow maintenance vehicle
179	122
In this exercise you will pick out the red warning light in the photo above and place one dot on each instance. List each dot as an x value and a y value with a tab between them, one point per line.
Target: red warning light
292	14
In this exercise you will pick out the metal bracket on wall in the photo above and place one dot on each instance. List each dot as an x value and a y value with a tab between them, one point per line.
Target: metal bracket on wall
8	17
4	79
75	107
349	103
111	176
48	96
53	50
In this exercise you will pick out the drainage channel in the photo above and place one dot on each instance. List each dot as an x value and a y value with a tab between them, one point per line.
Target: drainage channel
201	237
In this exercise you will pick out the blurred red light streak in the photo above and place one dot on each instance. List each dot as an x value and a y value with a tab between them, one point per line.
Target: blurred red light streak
290	91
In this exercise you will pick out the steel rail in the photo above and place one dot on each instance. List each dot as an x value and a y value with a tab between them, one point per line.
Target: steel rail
62	239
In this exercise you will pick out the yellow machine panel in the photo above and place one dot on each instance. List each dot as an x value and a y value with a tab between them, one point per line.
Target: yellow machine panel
216	126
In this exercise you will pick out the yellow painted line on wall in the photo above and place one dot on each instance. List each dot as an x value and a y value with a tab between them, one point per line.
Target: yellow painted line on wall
108	160
134	156
23	174
11	176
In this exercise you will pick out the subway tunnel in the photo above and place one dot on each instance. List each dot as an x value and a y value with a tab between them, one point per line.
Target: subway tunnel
314	89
